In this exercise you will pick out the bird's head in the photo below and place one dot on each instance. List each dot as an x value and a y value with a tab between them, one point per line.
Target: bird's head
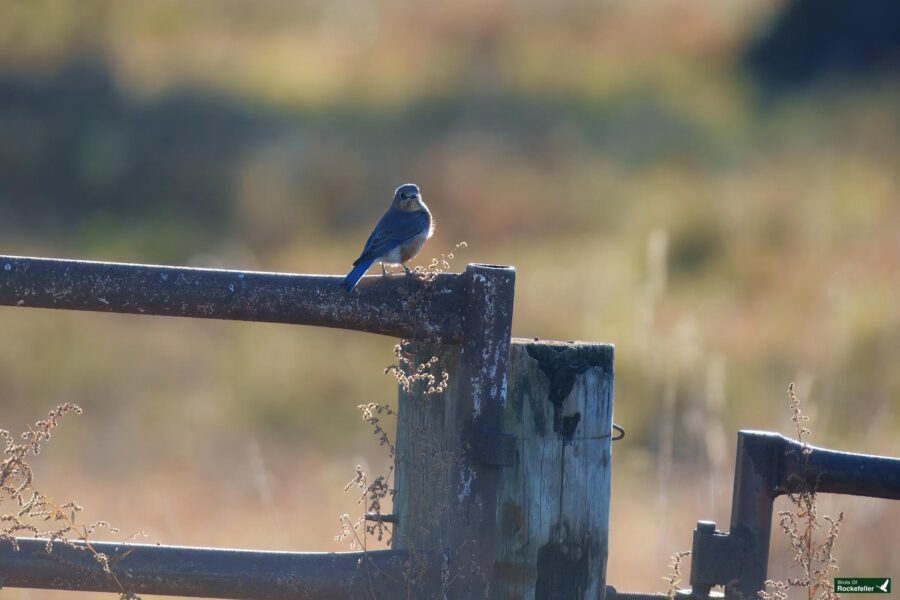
407	197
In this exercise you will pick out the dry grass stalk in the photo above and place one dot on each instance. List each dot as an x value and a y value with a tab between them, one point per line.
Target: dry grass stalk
36	513
673	579
813	554
406	373
438	265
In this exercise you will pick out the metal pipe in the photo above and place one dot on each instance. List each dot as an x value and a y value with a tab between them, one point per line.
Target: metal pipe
835	472
613	594
210	572
757	472
482	378
769	465
398	306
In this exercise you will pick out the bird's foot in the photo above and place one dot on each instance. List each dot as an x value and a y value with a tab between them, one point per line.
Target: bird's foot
408	272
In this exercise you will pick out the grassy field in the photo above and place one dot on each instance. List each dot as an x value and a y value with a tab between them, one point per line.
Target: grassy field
728	240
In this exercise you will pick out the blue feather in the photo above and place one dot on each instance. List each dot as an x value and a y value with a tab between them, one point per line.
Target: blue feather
356	274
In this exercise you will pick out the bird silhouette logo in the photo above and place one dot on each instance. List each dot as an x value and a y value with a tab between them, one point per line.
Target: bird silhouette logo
886	586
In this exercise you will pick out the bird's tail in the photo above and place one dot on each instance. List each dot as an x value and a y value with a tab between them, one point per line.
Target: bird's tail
356	274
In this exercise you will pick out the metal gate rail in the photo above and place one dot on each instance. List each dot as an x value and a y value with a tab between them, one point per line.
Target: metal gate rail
205	572
471	309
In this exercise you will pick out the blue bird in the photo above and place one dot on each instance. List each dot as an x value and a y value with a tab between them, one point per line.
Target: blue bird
397	237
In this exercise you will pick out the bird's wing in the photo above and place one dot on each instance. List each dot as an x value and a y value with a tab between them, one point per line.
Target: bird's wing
394	228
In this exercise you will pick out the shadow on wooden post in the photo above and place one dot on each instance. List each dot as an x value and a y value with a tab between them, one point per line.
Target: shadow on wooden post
551	456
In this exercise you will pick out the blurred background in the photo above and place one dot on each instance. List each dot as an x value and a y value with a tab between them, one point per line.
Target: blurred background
711	187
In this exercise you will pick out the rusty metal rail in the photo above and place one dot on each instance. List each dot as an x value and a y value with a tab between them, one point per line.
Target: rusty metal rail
472	310
207	572
399	306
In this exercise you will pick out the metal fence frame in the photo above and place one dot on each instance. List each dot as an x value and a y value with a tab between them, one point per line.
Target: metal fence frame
472	309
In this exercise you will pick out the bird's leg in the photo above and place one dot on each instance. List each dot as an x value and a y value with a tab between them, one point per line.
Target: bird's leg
405	268
383	272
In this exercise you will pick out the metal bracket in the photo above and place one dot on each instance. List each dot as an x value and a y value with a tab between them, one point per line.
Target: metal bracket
382	518
715	558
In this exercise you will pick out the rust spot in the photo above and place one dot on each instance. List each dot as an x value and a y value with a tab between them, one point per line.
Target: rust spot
569	425
512	519
604	459
514	571
563	570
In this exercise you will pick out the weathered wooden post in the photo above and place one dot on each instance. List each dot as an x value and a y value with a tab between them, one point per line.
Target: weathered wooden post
554	502
552	460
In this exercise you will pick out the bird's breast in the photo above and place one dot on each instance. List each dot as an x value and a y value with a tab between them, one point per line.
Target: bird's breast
409	250
393	256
